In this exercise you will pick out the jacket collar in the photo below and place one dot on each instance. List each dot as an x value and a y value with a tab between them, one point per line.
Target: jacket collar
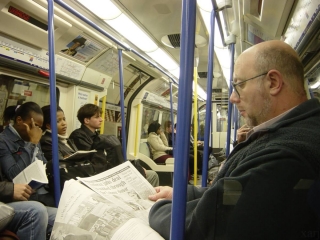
153	134
88	131
302	111
12	135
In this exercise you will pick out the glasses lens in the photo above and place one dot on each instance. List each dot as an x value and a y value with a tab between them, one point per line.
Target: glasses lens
235	89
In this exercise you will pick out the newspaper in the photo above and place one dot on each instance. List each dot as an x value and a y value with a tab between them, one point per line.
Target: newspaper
34	175
79	155
111	205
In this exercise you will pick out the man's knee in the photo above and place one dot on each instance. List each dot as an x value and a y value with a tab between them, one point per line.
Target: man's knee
38	211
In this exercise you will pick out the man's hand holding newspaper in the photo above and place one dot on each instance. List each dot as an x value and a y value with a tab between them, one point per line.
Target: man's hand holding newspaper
111	205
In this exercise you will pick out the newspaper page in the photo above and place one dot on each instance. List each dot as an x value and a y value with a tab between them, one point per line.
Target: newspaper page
79	155
34	175
113	206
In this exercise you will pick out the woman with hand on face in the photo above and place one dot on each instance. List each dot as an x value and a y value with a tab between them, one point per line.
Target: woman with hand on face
158	142
19	146
68	168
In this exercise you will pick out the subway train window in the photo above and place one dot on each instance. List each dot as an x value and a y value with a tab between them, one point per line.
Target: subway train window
15	91
222	118
142	61
149	115
166	116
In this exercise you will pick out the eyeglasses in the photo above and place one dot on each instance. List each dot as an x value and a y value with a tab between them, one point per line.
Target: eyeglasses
237	84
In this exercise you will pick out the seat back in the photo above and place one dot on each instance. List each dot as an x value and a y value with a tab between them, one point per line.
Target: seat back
145	155
150	150
144	149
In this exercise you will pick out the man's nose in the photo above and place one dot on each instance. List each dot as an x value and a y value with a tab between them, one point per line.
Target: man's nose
234	98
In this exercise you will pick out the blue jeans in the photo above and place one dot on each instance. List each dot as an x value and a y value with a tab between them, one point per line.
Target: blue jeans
32	220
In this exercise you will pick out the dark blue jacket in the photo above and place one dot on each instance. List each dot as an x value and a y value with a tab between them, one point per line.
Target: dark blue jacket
262	191
16	154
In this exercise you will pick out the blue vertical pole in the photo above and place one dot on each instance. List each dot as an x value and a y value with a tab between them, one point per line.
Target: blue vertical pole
184	121
230	104
208	104
123	126
53	105
171	107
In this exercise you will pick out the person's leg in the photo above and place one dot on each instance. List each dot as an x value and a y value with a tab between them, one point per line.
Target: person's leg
51	217
30	220
47	199
152	177
162	159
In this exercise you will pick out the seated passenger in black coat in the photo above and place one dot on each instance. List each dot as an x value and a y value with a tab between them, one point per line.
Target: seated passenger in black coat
87	138
108	147
68	168
262	191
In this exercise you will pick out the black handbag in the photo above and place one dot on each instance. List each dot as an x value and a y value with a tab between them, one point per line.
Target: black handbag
69	171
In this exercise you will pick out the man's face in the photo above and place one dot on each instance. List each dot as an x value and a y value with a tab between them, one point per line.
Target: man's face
94	122
254	102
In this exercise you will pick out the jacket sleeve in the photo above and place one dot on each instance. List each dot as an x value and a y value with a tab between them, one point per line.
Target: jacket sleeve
6	191
46	146
156	144
160	213
265	183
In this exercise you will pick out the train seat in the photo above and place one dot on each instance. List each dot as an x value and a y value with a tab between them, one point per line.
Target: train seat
145	155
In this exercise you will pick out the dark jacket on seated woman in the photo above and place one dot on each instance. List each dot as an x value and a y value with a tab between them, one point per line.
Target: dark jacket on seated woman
69	169
66	146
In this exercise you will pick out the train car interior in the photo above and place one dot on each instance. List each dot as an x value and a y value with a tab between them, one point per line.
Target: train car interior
87	61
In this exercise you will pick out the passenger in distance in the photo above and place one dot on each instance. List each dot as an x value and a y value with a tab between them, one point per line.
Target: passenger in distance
158	143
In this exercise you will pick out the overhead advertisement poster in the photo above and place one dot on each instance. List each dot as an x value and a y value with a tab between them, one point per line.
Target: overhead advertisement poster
82	48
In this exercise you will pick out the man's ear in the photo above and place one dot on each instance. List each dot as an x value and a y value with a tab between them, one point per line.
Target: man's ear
275	81
48	126
86	120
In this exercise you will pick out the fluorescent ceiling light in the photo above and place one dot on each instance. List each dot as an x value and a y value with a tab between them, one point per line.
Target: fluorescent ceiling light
222	53
132	32
163	59
114	17
104	9
205	5
224	25
206	16
315	85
